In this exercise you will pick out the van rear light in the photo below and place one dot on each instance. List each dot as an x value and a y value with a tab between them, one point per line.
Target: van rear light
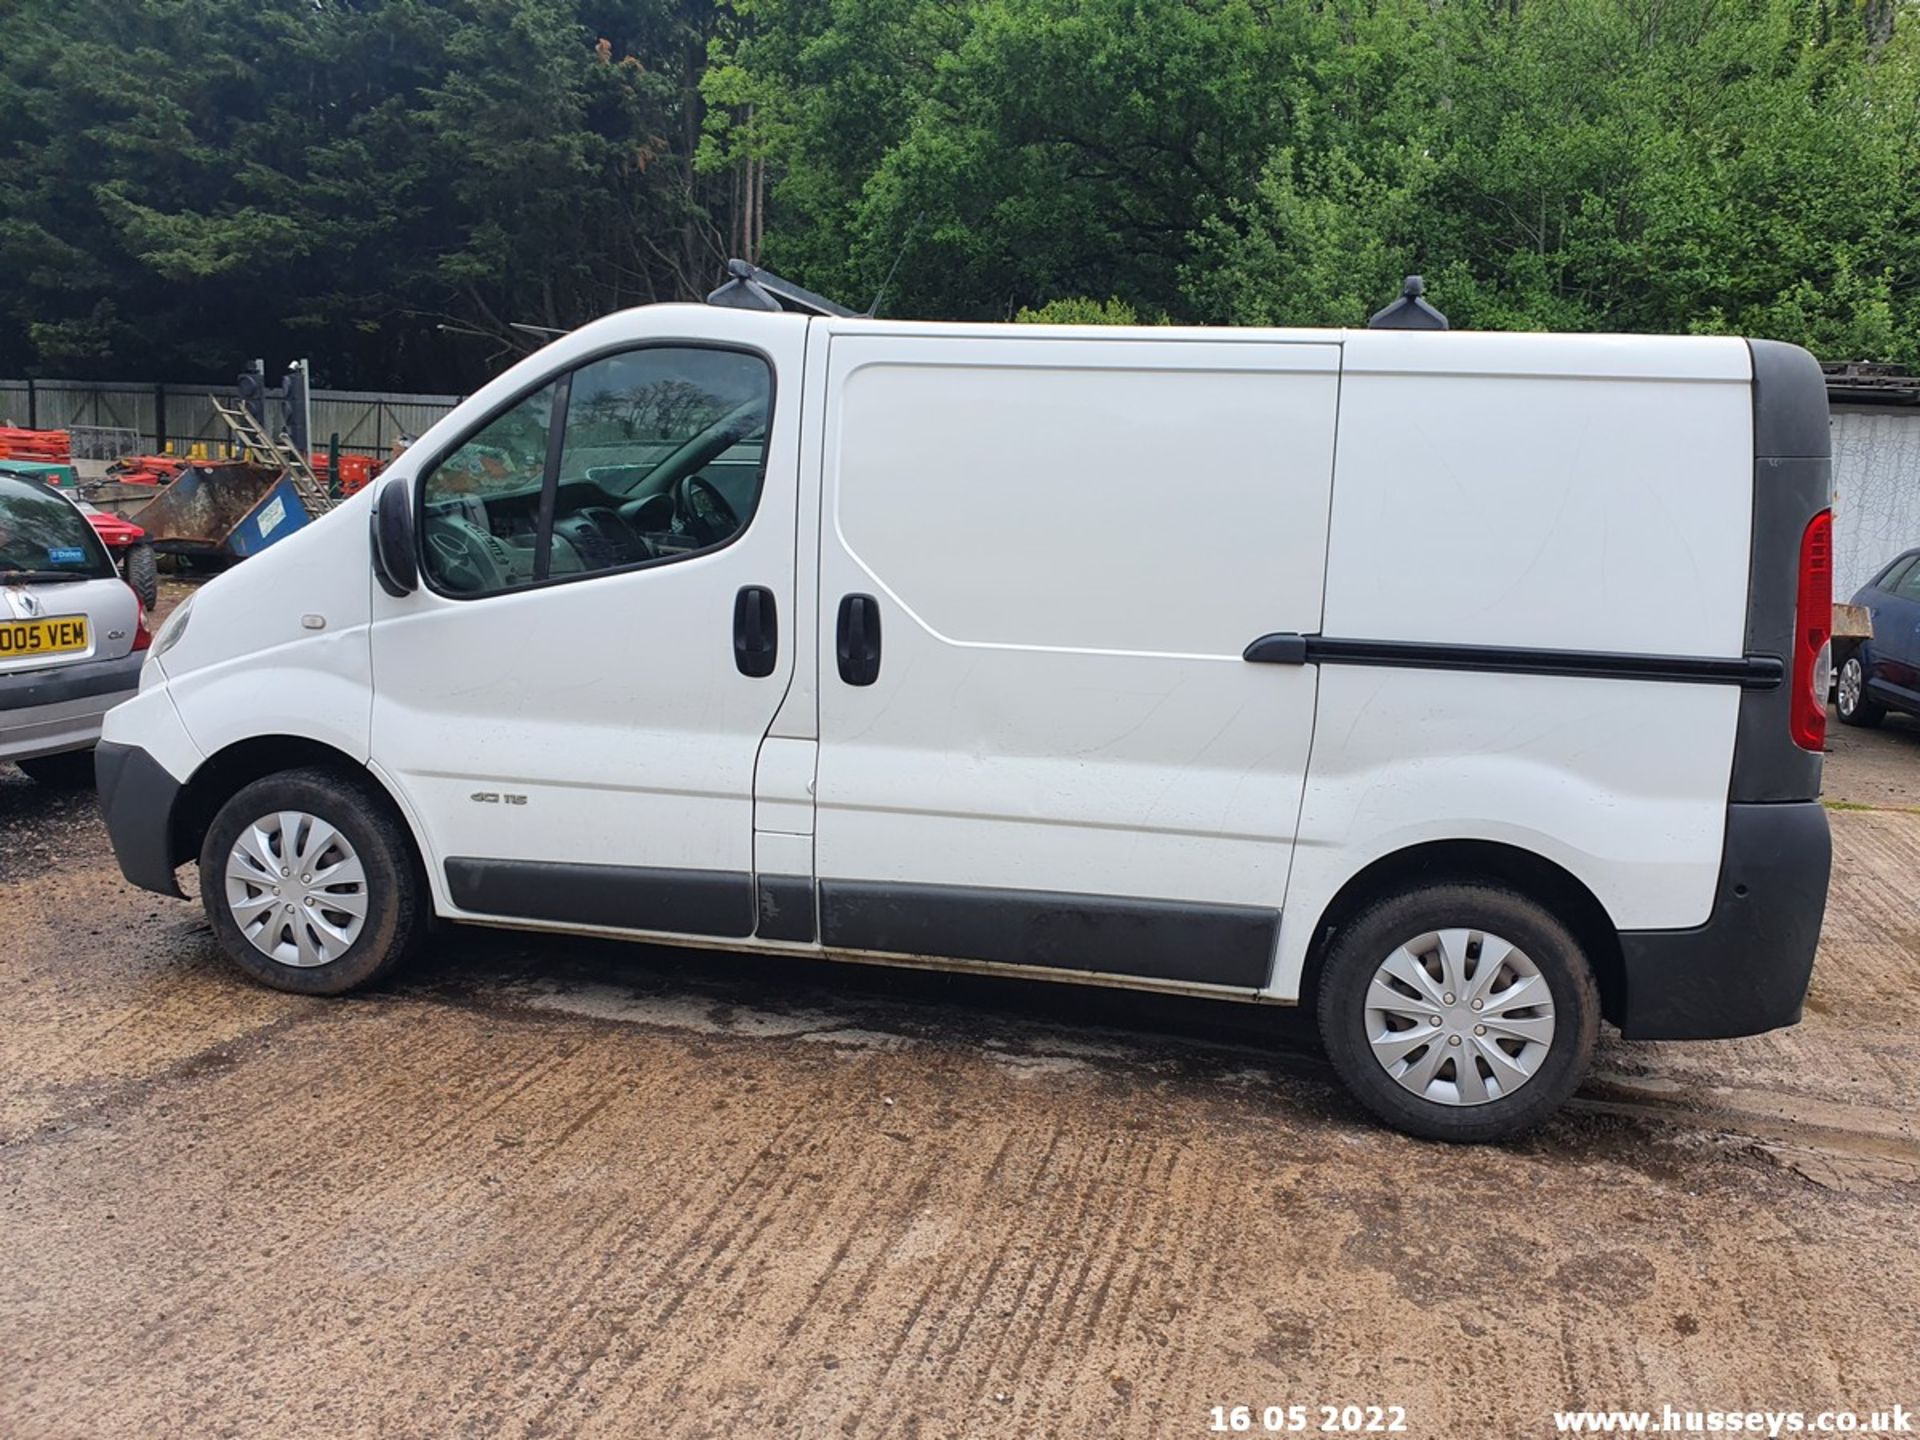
1813	635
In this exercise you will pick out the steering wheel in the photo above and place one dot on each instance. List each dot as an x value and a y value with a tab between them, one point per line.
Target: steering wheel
707	515
462	557
696	453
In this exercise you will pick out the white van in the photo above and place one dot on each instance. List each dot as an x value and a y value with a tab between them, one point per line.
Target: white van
1468	687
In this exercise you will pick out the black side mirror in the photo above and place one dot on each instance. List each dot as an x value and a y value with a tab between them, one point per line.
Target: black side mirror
394	563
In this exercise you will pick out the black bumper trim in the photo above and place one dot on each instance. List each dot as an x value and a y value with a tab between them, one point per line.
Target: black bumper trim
64	683
137	797
1746	970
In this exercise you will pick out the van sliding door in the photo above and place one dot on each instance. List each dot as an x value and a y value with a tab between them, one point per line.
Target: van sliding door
1041	562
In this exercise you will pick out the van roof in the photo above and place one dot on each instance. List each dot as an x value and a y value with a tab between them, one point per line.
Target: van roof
1411	352
1460	353
1426	348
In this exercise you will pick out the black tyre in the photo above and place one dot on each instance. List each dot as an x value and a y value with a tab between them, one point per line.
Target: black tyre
1850	699
1459	1012
142	569
310	881
69	770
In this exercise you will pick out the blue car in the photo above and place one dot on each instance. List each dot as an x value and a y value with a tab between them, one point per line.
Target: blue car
1883	673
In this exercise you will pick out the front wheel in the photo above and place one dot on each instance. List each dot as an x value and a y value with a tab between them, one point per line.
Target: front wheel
1850	699
310	883
1458	1012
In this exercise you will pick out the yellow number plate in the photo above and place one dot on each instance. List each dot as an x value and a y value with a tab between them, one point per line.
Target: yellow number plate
59	636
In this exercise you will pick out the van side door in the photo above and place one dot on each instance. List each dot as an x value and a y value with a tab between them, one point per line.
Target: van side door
574	699
1041	562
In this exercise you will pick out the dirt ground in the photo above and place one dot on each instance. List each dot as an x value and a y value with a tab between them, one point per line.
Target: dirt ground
1874	767
545	1188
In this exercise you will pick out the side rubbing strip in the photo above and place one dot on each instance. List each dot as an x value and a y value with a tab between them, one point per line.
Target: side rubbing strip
786	907
1157	939
1750	672
618	897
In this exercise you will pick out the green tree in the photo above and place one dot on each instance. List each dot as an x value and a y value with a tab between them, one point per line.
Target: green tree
1607	164
386	186
1009	151
1079	311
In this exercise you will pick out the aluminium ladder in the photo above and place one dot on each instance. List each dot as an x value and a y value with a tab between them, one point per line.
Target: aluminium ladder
276	450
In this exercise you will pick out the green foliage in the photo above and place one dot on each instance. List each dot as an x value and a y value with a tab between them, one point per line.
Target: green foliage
1080	311
1594	164
387	184
1657	165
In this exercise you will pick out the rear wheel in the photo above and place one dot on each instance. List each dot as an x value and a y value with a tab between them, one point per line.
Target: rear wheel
309	880
69	770
142	569
1850	699
1458	1012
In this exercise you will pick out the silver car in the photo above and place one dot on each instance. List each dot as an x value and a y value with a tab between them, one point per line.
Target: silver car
72	634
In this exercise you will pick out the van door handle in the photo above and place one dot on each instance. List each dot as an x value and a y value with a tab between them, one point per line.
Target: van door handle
858	639
756	631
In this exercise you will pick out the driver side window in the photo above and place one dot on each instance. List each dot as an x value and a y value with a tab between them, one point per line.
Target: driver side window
659	455
662	458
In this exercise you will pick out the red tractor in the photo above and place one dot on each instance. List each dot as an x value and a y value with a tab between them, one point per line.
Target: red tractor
131	550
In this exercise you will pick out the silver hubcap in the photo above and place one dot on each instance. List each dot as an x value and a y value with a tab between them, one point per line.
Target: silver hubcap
1852	682
1459	1017
296	889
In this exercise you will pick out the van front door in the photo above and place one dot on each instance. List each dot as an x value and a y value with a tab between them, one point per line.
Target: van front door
1041	562
573	700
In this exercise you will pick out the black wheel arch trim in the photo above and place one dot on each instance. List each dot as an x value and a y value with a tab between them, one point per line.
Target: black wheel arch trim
155	822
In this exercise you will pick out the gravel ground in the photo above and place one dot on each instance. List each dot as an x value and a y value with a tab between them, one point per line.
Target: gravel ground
537	1187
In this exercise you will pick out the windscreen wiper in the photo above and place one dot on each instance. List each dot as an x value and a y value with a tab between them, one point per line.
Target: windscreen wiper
35	577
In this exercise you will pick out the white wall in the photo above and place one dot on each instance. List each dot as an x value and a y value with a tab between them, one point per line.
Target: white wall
1876	490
